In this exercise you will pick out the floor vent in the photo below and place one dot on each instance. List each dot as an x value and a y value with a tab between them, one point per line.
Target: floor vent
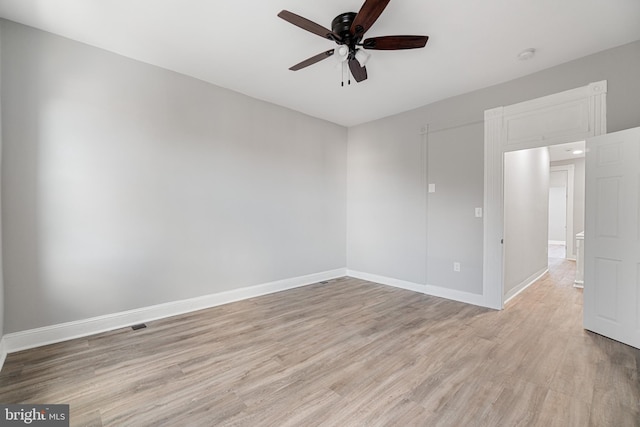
140	326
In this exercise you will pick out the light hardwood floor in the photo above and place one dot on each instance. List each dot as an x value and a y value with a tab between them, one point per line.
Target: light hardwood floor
557	251
346	353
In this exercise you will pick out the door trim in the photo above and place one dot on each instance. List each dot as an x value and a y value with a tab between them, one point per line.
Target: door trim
560	118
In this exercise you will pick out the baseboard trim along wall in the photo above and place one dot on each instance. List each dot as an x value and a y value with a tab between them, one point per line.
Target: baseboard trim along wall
32	338
435	291
396	283
525	284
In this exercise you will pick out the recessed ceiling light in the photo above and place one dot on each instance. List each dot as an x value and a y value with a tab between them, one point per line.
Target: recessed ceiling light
578	151
526	54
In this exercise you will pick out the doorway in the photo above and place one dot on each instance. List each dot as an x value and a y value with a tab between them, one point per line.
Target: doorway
557	232
567	175
541	188
568	116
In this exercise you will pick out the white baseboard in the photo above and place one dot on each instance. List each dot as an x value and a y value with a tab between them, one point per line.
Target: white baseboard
525	284
32	338
396	283
557	242
3	352
456	295
436	291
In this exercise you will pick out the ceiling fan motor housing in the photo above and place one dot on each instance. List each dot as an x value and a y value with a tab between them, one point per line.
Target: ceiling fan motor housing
341	25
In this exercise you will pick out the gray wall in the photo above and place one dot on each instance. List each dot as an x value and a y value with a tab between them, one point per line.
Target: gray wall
125	185
390	223
454	202
386	201
578	194
526	216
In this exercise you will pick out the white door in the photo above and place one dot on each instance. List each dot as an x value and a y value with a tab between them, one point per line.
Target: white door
612	236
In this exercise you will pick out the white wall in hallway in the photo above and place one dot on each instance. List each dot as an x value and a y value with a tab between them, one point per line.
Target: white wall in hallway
526	216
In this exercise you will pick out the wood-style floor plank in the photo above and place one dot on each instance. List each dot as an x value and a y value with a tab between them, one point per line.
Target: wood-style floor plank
345	353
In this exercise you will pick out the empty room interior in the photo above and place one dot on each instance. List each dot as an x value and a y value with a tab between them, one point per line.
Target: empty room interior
434	223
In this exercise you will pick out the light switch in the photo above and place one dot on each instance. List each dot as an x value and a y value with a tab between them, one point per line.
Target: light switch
432	188
478	212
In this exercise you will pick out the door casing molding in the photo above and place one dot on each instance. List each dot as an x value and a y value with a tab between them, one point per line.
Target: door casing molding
568	116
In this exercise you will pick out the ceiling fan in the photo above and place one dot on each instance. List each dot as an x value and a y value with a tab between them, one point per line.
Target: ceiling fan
347	30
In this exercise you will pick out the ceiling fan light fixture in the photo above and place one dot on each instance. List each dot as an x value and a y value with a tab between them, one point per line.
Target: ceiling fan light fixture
362	57
342	53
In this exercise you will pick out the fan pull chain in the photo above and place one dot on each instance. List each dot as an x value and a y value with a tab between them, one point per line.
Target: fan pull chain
344	70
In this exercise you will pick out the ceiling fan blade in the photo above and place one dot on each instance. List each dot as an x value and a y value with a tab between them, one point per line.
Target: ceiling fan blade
368	14
395	42
310	26
317	58
359	73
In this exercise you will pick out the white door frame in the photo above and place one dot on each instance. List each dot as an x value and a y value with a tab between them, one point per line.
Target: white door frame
570	235
564	117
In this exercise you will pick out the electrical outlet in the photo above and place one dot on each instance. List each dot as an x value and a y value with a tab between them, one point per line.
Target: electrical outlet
432	188
456	267
478	212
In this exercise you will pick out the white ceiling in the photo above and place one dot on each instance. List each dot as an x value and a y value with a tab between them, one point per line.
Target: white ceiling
242	45
566	151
